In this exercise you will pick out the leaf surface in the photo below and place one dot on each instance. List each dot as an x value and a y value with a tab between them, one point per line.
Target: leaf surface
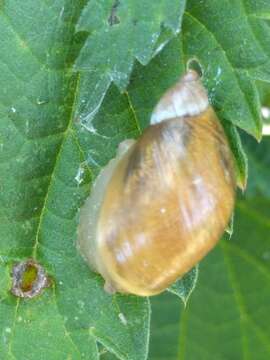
61	122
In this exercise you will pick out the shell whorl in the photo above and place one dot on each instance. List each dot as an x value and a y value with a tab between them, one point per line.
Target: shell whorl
163	203
187	97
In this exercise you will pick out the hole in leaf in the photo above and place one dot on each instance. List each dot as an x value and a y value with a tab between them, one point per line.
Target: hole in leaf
194	64
28	279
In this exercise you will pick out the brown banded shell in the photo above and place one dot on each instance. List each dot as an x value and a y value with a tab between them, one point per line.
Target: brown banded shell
164	202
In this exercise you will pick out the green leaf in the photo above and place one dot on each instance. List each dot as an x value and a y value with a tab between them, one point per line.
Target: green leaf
118	33
165	327
231	87
62	120
227	315
133	29
5	283
184	287
241	159
259	164
264	91
240	28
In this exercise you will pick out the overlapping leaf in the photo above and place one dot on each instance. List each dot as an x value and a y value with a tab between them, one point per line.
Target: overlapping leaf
117	34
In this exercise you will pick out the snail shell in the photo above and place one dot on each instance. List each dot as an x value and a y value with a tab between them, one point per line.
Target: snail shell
162	204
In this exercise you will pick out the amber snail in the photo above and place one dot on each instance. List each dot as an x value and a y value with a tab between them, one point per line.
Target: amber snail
163	203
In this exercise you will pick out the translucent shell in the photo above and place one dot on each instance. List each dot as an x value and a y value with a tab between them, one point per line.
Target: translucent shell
164	202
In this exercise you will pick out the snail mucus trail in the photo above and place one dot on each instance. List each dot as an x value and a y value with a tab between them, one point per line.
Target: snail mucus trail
163	203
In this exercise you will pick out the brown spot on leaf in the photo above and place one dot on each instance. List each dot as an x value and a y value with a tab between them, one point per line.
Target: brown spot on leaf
195	64
28	279
113	18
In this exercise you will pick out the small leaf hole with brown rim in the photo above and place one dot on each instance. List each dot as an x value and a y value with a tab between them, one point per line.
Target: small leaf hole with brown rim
28	279
194	64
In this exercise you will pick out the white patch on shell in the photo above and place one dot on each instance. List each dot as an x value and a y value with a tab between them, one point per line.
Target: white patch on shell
201	204
120	256
141	240
127	249
87	242
186	98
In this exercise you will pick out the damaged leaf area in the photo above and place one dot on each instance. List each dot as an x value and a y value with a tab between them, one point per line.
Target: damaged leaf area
28	279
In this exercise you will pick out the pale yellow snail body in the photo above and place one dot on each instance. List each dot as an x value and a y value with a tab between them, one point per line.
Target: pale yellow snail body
162	204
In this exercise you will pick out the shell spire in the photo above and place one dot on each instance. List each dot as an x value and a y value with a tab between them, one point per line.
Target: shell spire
187	97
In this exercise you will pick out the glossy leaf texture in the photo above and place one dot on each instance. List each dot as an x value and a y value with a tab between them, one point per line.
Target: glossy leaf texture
62	118
227	316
